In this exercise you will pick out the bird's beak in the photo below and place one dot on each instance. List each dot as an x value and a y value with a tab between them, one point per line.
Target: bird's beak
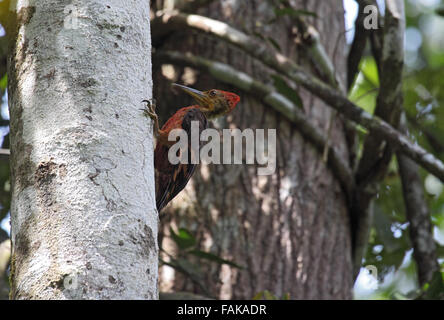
200	97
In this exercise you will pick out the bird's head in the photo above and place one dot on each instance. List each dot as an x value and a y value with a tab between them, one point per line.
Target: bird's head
213	103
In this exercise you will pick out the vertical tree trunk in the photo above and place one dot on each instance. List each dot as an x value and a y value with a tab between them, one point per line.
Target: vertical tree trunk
84	224
289	230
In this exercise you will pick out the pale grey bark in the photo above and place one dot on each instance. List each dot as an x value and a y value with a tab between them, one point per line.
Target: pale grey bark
84	223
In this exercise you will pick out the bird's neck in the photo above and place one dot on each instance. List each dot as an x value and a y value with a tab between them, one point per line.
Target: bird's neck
213	114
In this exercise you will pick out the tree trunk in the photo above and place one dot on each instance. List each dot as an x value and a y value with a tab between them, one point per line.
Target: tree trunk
289	230
84	224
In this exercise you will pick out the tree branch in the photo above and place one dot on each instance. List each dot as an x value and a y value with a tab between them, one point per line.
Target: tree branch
164	24
376	155
390	97
357	48
418	215
376	36
270	97
316	52
435	143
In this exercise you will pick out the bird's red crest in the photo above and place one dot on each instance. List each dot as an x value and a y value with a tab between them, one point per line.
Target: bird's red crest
232	98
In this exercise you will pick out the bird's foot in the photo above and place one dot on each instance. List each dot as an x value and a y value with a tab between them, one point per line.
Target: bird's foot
150	109
150	112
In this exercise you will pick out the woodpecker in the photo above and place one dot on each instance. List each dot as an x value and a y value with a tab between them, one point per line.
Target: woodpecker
172	178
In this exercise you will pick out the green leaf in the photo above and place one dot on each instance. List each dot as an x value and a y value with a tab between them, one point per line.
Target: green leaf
268	295
4	82
214	258
366	86
286	296
183	238
361	129
258	296
435	289
288	92
370	70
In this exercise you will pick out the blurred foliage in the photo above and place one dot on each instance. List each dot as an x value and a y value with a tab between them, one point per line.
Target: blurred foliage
283	88
366	87
390	248
189	260
267	295
187	245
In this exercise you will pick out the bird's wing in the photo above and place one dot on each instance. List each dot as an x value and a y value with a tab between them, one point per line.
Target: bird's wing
172	178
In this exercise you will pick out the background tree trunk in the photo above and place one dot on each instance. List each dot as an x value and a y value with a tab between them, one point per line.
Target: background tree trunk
289	230
84	224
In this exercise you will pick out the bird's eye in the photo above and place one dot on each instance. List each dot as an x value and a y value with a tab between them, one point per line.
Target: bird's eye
213	93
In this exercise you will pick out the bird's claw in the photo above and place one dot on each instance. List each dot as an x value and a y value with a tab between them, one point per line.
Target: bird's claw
150	109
